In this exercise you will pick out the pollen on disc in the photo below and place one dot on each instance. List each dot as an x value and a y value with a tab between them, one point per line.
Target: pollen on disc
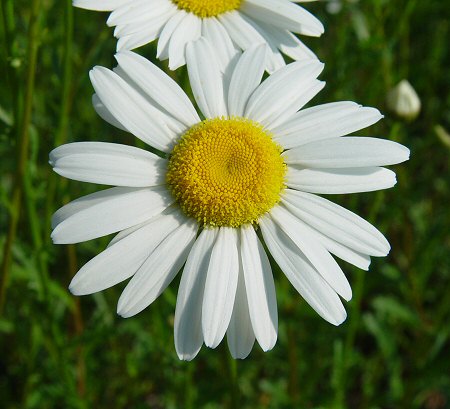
226	172
207	8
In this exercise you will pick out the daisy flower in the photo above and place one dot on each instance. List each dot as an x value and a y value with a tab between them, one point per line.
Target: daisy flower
228	25
219	188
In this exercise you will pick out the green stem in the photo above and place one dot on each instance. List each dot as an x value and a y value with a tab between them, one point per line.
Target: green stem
66	103
22	145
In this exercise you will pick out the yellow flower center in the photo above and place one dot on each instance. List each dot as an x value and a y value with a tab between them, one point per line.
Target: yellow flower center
207	8
226	172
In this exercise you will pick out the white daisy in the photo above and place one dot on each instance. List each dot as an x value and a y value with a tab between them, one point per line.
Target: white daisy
251	166
227	24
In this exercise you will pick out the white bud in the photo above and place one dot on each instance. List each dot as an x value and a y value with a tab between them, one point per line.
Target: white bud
403	101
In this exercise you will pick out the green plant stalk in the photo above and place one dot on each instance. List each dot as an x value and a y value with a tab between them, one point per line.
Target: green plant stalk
22	145
11	76
64	113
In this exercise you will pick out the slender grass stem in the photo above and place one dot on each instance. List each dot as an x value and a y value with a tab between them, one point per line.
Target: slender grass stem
22	148
66	104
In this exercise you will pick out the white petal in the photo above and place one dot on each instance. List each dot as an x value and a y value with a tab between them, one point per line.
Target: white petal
158	270
108	164
262	301
172	124
139	12
281	91
325	121
274	59
314	251
336	222
150	24
131	109
103	5
126	232
159	86
122	259
240	336
345	253
348	152
205	78
149	15
108	211
220	287
189	29
134	35
240	31
245	78
162	51
188	313
304	96
103	113
215	33
284	14
288	43
333	181
302	275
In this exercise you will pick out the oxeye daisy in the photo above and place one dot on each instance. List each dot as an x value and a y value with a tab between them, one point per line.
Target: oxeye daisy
221	190
228	24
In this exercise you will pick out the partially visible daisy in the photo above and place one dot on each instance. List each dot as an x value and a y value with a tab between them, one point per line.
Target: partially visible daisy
228	25
252	166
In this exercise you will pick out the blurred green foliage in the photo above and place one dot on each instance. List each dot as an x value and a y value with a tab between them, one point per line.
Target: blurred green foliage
59	351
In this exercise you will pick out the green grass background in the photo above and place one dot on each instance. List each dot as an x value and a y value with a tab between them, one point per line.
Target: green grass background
60	351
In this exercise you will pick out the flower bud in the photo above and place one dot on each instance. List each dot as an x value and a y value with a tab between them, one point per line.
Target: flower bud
403	101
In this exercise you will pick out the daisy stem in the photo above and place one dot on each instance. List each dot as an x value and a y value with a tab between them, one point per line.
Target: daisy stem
231	365
22	147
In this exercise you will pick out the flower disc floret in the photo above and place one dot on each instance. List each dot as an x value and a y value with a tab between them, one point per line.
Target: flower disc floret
207	8
226	172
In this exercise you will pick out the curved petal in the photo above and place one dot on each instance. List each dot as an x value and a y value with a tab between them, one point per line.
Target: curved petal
325	121
262	301
240	31
336	222
284	14
122	259
240	336
139	12
205	78
158	86
188	313
302	275
281	90
108	211
345	253
348	152
134	35
103	113
274	59
129	107
288	43
245	78
105	5
220	287
158	270
108	164
215	33
189	29
314	251
333	181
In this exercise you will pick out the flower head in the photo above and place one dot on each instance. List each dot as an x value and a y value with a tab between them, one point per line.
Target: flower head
403	101
251	166
230	25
